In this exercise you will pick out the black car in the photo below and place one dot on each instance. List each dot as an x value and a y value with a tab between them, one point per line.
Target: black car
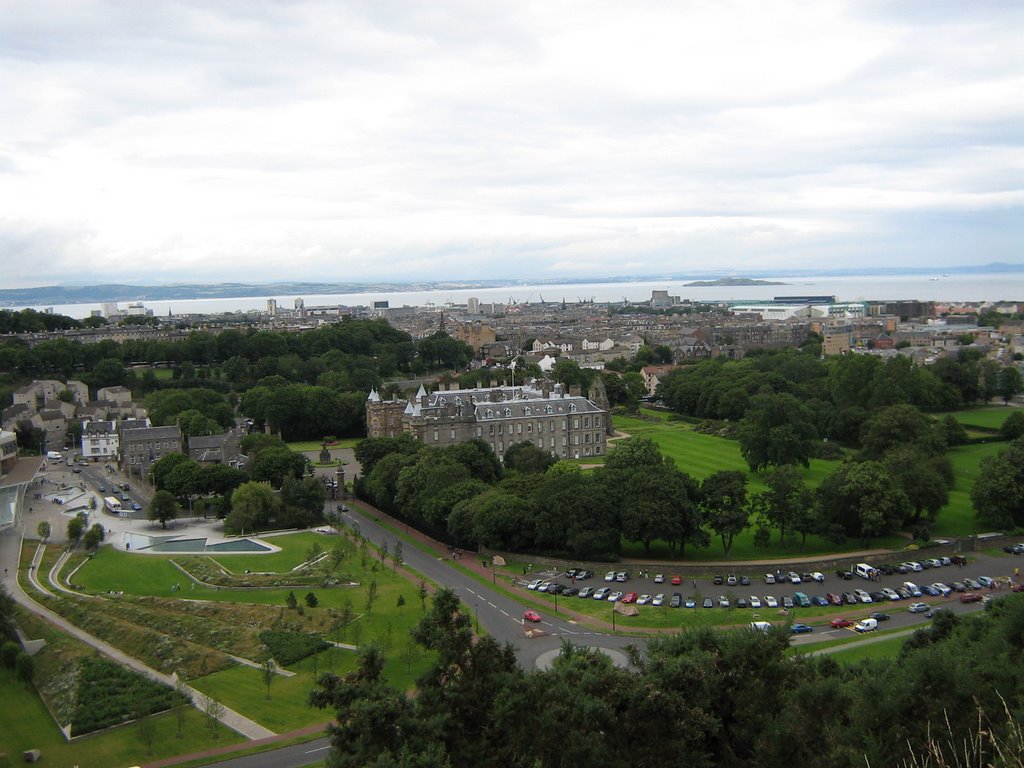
583	575
879	616
849	598
718	580
556	589
845	575
570	592
343	507
745	581
958	587
879	597
742	603
886	569
676	601
570	573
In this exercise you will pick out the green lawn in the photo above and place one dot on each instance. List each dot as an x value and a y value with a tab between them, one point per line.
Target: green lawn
880	649
990	418
26	724
316	445
701	455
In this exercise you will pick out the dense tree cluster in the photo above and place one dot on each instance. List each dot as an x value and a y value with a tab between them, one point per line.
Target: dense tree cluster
699	698
31	321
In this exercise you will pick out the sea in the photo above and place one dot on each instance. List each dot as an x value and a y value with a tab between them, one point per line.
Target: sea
937	287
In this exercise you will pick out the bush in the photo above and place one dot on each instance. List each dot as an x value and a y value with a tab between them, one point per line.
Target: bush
311	600
108	694
290	647
9	654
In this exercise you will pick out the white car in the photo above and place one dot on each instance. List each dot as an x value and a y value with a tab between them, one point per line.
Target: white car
643	600
818	576
614	597
602	593
534	584
755	601
862	596
914	566
658	599
912	588
943	589
659	578
769	578
586	592
771	602
794	577
543	586
610	576
917	607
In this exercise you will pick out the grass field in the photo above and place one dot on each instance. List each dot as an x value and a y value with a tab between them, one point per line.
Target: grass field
880	649
985	418
701	455
316	445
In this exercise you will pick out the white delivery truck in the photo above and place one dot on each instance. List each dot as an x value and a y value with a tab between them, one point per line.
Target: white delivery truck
866	625
55	455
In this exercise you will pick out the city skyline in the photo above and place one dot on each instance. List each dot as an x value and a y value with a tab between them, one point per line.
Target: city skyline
377	141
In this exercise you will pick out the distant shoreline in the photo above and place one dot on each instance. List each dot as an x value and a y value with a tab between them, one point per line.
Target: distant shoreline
729	282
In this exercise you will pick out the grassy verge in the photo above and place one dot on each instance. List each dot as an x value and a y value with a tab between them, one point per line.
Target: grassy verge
881	649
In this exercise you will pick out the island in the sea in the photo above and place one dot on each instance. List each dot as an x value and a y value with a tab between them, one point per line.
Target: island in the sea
730	281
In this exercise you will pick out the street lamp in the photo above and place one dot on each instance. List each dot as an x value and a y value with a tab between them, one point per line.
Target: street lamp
556	602
476	617
613	617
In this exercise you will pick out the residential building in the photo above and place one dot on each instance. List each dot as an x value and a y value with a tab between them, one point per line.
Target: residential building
140	448
100	441
217	449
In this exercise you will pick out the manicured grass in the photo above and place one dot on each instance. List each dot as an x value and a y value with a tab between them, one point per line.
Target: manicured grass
26	724
880	649
990	418
957	517
303	446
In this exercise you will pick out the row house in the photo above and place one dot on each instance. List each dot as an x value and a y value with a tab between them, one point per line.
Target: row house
101	440
142	447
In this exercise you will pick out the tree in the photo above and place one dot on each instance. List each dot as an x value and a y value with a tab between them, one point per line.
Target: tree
252	506
900	425
267	672
723	497
183	702
860	499
163	467
1013	426
777	430
1008	383
275	464
94	537
650	503
397	556
303	501
371	596
43	529
925	479
163	507
76	529
291	601
527	458
998	493
311	600
786	499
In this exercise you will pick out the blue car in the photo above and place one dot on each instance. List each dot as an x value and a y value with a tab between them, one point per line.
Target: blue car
819	600
800	629
136	506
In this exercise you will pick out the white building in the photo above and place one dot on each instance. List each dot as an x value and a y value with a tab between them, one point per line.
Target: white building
100	440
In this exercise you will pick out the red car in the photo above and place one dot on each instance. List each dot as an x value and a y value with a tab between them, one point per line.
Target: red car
970	597
840	623
629	597
531	616
677	580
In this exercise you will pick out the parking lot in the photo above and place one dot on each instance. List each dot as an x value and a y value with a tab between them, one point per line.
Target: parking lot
878	592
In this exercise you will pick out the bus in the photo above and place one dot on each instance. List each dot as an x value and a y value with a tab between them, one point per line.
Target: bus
112	505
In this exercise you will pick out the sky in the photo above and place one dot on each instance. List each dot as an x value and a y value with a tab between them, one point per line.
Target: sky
258	141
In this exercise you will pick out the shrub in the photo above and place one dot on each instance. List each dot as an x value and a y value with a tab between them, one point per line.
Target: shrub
289	647
108	694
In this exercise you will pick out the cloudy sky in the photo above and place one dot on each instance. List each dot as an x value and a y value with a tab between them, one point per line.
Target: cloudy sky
383	140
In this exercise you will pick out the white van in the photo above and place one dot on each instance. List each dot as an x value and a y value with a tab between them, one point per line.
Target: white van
54	455
761	626
866	571
866	625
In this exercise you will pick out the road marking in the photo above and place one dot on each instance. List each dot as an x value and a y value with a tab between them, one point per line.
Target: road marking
470	591
491	604
318	749
504	611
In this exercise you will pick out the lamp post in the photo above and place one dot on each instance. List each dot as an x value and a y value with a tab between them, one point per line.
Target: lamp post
476	617
556	602
613	617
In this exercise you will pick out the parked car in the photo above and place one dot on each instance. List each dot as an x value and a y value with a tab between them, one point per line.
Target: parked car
586	592
601	593
643	600
818	600
769	578
570	591
659	578
943	589
841	623
723	601
136	506
834	598
890	593
741	602
818	576
732	580
583	575
970	597
629	597
101	488
917	608
849	598
972	584
771	602
744	581
677	580
931	590
787	602
342	507
958	586
845	575
794	577
614	596
718	580
622	576
800	629
543	586
934	562
709	603
879	616
570	574
755	601
658	599
610	576
690	603
531	616
911	587
987	581
862	596
676	601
